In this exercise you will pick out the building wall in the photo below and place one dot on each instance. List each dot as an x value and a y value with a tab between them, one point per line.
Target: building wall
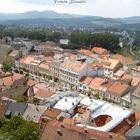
108	73
68	76
83	88
136	73
86	71
135	103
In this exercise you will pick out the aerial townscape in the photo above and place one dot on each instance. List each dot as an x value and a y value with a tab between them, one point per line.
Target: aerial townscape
69	77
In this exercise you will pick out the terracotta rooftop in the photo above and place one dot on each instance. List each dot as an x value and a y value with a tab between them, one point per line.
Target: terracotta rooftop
125	125
123	59
96	83
86	80
43	94
27	60
85	52
112	64
51	113
17	76
135	81
56	130
137	115
31	82
99	50
106	63
105	86
126	77
118	88
44	66
68	121
75	66
9	80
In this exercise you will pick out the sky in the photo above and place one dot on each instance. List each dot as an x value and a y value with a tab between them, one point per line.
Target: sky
104	8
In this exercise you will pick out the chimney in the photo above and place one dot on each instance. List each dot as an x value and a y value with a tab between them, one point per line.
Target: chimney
93	138
110	136
59	132
66	100
62	126
85	129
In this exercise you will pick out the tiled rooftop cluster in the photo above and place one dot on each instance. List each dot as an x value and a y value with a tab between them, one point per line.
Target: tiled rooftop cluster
76	95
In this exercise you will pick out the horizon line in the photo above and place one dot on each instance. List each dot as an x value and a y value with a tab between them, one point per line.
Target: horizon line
67	13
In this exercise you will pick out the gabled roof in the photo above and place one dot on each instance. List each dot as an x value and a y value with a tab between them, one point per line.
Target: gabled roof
56	130
44	66
137	91
118	88
99	50
34	112
27	60
72	65
9	80
16	108
126	77
86	80
85	52
135	81
106	63
31	82
51	113
43	94
96	83
123	59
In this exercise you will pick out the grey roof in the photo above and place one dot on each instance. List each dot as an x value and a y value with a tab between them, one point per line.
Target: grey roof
15	109
134	132
54	99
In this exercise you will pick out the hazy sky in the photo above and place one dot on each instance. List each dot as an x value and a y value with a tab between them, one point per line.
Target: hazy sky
105	8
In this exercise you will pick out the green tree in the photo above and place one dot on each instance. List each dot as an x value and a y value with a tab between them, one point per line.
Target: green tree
87	40
7	66
27	131
19	129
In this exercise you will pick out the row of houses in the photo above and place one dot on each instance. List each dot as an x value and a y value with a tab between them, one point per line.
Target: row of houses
110	77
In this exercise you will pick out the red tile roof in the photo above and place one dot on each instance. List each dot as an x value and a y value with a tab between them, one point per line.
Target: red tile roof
137	115
125	125
118	89
96	83
86	80
99	50
57	130
85	52
123	59
51	113
41	93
